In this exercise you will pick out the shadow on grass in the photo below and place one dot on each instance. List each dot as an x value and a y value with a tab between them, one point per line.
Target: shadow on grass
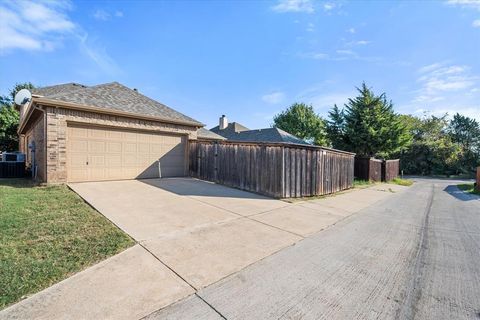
18	182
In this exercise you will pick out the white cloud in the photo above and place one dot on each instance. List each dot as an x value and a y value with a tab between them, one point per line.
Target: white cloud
103	15
274	97
328	6
294	6
475	4
447	88
311	27
439	77
43	26
33	26
351	30
467	4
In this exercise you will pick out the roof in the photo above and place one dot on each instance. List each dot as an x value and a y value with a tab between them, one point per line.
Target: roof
232	127
259	135
203	133
113	96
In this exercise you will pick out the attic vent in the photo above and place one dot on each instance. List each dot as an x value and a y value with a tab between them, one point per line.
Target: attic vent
135	89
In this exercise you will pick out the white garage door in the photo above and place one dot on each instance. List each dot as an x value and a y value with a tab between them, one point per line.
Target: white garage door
96	154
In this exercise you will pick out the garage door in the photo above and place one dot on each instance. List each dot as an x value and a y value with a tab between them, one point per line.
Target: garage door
96	154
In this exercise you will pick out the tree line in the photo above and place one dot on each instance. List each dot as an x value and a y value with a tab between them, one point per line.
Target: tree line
368	125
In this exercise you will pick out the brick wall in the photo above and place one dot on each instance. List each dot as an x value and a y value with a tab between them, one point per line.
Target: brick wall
58	118
36	133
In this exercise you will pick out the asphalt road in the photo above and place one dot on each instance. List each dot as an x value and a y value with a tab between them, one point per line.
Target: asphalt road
415	255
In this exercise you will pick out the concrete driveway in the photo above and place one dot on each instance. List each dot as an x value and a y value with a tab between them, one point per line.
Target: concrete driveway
190	234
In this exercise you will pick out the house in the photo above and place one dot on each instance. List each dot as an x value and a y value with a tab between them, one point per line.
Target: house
207	135
73	133
236	132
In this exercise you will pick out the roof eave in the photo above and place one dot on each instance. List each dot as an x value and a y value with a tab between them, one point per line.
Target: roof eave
76	106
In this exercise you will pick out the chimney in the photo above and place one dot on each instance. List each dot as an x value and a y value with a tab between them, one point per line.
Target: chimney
223	122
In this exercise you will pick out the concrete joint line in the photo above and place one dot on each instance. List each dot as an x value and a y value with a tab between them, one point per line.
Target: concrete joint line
212	307
171	269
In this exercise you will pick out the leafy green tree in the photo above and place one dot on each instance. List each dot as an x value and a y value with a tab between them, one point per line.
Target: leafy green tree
465	132
302	121
9	118
371	126
336	128
432	150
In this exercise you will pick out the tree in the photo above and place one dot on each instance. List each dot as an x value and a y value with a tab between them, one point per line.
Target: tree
465	132
9	118
302	121
336	128
371	126
432	150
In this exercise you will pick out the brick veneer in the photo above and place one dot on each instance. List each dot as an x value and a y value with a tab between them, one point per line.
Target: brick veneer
58	119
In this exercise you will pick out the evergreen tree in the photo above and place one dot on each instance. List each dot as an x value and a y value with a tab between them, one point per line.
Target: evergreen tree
371	126
336	128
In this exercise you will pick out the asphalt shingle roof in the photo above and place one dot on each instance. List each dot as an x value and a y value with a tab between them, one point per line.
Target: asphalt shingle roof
237	132
203	133
113	96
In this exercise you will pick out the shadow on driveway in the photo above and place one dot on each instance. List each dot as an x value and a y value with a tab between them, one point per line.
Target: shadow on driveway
454	191
194	187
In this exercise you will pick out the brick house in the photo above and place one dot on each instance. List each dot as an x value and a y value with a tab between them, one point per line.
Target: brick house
74	133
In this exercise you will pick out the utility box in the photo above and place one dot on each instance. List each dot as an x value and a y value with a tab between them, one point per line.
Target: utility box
12	165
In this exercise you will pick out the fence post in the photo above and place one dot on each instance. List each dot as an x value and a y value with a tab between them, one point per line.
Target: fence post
215	161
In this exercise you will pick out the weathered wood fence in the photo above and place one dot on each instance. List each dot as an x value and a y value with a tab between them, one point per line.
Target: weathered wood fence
390	169
273	169
367	168
372	169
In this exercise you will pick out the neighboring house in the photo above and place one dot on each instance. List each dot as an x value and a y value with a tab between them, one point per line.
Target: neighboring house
236	132
103	132
205	134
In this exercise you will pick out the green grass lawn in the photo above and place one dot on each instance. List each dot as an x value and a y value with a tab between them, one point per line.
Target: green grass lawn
401	182
468	187
366	183
46	235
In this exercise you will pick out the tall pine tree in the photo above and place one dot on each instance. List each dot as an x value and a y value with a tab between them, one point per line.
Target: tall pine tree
371	126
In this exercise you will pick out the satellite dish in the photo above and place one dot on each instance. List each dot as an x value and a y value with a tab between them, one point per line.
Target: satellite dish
23	96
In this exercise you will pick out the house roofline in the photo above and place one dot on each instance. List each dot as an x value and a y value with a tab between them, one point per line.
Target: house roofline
75	106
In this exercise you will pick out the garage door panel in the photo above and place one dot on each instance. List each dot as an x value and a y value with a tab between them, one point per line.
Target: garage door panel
96	146
114	147
95	154
130	147
79	146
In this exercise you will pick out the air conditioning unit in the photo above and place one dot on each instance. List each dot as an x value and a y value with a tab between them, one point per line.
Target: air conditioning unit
13	157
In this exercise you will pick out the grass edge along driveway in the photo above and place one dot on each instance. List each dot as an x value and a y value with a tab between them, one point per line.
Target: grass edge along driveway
46	235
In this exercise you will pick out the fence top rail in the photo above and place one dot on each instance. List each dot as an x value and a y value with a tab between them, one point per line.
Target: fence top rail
276	144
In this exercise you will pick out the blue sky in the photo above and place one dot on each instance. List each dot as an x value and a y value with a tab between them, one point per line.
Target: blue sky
251	59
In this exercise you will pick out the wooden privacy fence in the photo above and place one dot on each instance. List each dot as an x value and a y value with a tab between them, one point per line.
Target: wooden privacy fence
367	168
390	169
273	169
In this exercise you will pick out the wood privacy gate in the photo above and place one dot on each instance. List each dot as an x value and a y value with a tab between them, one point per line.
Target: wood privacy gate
367	168
274	169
